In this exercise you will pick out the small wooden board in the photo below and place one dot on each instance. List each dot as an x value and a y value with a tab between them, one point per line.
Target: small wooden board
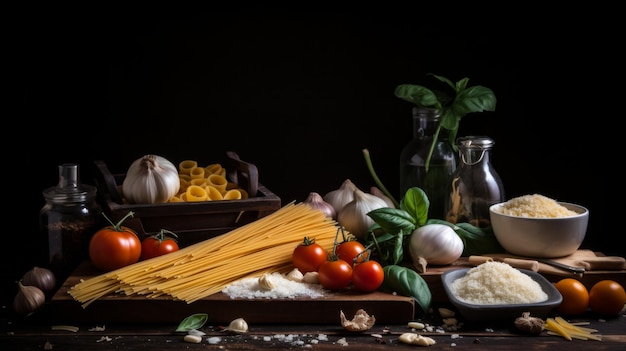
387	308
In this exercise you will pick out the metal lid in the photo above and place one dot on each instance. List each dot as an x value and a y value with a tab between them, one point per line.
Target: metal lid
476	142
69	189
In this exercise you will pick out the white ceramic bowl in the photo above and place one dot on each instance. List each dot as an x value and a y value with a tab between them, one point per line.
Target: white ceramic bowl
540	237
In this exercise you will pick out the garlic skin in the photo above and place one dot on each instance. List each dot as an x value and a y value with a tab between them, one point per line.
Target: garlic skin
436	244
338	198
316	201
353	216
150	179
377	192
41	278
28	299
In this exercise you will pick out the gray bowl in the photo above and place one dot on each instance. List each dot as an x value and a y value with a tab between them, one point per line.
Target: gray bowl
540	237
502	312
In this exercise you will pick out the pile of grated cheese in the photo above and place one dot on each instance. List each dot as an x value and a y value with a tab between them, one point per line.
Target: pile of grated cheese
249	288
535	205
494	283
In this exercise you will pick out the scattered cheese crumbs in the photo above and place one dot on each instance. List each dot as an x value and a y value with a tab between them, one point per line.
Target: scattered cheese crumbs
96	328
69	328
104	338
214	340
497	283
535	205
342	342
284	288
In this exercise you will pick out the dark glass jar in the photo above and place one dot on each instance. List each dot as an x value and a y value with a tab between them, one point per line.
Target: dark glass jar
67	222
414	158
475	185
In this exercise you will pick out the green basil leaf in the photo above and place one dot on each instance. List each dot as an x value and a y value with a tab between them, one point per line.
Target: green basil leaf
392	219
195	321
417	94
416	203
475	99
407	282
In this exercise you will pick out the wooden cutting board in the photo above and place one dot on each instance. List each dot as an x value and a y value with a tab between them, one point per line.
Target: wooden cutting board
119	308
602	267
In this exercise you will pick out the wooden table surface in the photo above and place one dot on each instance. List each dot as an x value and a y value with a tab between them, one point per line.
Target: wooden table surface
36	333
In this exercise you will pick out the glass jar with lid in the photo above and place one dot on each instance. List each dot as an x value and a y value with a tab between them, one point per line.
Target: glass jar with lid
475	185
67	222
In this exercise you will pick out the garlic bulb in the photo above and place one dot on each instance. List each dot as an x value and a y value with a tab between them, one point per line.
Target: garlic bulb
353	216
150	179
436	244
41	278
316	201
28	299
377	192
338	198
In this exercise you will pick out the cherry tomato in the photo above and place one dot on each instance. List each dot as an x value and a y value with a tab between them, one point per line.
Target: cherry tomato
349	250
367	276
607	297
335	274
308	256
575	297
114	246
158	244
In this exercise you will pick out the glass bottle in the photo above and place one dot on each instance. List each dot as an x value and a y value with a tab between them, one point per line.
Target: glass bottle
67	221
413	157
475	185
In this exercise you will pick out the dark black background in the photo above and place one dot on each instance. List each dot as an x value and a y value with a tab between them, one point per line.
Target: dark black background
299	94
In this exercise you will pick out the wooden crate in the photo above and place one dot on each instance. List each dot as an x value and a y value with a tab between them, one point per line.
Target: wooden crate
191	221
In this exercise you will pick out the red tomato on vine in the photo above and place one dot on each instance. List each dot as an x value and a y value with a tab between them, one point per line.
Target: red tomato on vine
114	246
367	275
158	244
308	256
335	274
349	250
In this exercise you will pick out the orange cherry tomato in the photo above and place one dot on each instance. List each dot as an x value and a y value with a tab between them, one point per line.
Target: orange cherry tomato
575	297
607	297
114	246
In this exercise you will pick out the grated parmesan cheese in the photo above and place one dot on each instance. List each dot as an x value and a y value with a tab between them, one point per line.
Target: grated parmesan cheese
494	283
249	288
534	206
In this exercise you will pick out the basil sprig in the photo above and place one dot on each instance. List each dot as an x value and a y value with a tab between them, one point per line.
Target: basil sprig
466	100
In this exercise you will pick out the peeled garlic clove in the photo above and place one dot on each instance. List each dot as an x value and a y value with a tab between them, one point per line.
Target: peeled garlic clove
266	283
238	325
28	299
295	275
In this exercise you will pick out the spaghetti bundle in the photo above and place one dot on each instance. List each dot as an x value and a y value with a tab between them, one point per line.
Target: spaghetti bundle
205	268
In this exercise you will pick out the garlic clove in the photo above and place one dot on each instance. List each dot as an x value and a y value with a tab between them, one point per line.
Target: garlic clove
28	299
238	325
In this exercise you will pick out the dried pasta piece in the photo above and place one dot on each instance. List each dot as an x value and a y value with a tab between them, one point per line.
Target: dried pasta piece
196	172
213	193
232	194
217	181
196	193
185	166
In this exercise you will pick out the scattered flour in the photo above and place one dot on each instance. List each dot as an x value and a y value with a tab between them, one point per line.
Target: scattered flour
249	288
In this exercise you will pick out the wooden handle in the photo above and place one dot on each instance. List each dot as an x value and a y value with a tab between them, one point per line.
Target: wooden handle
240	171
531	265
477	260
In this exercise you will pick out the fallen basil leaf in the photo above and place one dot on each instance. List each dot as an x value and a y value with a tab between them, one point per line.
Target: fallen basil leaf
195	321
407	282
